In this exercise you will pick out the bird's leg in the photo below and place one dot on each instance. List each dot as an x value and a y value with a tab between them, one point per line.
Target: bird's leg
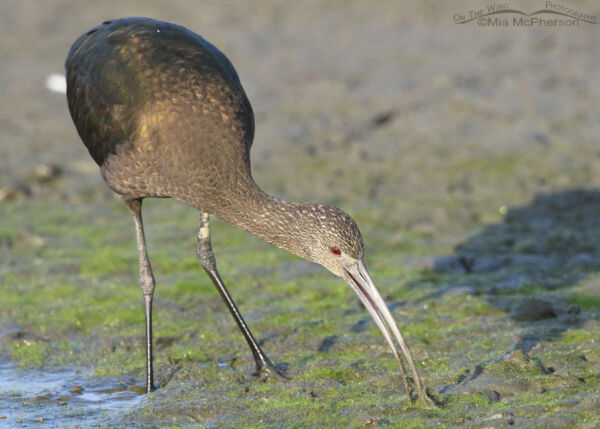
147	283
264	367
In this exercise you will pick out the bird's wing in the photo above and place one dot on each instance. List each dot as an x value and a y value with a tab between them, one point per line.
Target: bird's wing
97	92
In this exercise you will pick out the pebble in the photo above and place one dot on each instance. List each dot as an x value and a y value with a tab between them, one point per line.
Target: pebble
44	173
76	389
492	395
15	191
137	389
532	309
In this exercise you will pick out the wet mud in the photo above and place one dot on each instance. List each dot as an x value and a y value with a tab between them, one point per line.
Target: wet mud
468	156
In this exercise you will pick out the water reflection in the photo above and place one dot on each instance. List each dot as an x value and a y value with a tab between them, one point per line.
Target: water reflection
62	398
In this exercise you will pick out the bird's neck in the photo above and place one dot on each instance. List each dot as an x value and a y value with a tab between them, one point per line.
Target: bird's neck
279	222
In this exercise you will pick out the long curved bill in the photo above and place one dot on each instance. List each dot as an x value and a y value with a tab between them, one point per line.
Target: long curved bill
357	276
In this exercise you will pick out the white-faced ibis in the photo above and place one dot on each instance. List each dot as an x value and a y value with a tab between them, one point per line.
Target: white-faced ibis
163	113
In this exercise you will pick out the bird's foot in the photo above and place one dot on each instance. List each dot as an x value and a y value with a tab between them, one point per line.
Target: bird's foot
422	395
428	400
266	371
143	390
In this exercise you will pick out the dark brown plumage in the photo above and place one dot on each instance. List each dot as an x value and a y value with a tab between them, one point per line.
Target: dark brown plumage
164	114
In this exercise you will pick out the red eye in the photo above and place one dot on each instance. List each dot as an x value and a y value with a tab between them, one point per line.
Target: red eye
336	251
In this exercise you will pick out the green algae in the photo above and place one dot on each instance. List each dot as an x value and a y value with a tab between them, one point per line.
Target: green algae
579	336
584	300
30	352
341	374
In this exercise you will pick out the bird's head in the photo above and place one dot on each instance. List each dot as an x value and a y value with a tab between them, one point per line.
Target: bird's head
334	241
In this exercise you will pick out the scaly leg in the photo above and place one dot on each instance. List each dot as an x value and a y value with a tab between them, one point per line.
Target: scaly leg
147	283
207	259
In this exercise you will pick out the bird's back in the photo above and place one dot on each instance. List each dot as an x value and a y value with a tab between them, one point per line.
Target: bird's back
160	109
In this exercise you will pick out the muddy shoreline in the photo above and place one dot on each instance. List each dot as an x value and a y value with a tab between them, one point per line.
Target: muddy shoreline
468	155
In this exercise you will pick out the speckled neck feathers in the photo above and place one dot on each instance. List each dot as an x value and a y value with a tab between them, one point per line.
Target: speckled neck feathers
308	230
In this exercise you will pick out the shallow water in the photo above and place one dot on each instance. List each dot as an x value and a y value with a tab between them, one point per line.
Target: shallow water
476	186
62	398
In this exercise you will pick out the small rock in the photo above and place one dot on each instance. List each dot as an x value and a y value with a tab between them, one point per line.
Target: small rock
44	173
532	309
76	389
492	395
327	343
382	118
111	390
40	398
137	389
15	191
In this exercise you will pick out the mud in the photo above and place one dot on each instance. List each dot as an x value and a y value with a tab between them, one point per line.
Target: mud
468	156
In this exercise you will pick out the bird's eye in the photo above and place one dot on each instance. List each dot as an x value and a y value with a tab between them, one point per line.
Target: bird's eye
336	251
